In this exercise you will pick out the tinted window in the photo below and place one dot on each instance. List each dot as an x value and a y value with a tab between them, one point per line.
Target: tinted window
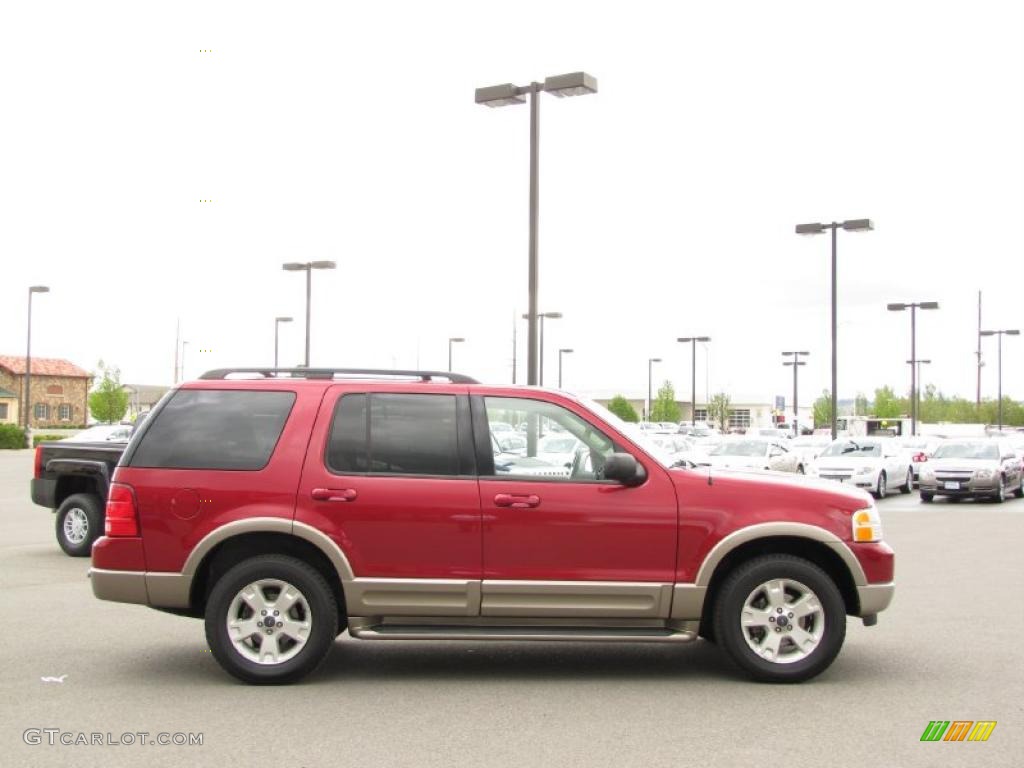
406	434
215	429
346	446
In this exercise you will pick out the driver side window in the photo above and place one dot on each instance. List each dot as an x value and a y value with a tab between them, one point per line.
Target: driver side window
535	440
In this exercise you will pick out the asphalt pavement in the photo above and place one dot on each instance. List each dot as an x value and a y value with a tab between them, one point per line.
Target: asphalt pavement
947	649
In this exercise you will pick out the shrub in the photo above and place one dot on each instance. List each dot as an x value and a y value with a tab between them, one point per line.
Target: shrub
620	407
37	439
11	436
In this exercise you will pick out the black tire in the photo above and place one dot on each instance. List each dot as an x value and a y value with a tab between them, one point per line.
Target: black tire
882	486
323	613
1000	495
908	486
1019	493
729	606
927	498
86	510
800	469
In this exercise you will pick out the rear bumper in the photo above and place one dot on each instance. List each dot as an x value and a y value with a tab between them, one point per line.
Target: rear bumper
159	590
44	492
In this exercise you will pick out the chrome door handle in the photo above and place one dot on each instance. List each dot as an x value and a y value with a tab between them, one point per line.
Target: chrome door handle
516	500
334	494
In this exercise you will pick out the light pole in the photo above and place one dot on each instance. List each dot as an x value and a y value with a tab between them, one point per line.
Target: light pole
850	225
796	362
560	353
650	372
692	341
308	267
916	366
277	326
183	345
1000	334
28	362
452	340
542	315
913	306
506	94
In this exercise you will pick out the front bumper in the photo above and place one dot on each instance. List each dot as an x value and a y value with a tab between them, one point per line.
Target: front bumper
867	482
967	488
874	598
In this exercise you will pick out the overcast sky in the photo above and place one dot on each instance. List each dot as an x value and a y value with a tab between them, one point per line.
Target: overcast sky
348	132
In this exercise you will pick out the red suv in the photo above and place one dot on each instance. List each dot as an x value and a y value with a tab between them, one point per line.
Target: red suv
286	506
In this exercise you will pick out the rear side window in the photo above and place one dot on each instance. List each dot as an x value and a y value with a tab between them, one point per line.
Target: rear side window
215	429
395	434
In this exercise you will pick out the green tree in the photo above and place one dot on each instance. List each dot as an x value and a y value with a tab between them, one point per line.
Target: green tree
108	402
822	409
887	405
718	410
665	407
620	407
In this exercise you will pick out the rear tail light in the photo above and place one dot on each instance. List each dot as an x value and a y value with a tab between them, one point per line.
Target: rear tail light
122	511
919	457
38	467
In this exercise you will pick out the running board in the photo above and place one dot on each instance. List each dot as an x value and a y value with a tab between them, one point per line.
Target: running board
363	630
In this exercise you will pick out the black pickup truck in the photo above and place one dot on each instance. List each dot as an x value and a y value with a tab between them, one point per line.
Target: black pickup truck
72	479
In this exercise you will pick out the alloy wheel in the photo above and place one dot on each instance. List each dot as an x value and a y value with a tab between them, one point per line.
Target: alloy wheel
782	621
269	621
76	525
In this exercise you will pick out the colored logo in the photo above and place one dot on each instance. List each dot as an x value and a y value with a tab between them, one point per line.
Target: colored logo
958	730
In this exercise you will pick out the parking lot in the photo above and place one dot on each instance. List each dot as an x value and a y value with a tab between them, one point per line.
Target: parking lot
948	649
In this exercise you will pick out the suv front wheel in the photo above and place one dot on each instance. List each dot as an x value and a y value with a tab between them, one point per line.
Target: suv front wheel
780	618
271	619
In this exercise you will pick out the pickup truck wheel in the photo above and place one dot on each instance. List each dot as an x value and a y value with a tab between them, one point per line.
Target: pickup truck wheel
780	618
271	619
79	523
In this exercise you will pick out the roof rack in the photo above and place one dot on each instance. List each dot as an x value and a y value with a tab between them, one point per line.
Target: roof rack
331	373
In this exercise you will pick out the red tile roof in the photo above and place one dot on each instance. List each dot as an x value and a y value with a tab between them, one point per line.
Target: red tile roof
43	366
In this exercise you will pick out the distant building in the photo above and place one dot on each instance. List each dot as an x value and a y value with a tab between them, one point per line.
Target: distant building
59	396
142	398
744	412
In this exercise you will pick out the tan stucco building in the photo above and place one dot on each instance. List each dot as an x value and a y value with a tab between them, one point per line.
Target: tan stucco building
59	396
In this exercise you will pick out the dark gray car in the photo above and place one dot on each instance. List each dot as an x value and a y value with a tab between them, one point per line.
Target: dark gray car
972	468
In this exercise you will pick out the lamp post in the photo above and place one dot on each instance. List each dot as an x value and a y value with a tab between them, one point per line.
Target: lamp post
560	353
850	225
916	366
506	94
452	340
183	345
28	362
308	267
1000	334
913	306
692	341
542	315
650	372
277	326
796	362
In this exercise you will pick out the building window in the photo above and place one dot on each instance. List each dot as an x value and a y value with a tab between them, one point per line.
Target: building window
64	412
739	418
42	412
701	414
3	411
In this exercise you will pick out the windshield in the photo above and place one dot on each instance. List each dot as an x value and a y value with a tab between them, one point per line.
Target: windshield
853	449
967	451
559	445
740	448
808	442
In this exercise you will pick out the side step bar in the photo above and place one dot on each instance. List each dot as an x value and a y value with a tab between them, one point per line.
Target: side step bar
366	630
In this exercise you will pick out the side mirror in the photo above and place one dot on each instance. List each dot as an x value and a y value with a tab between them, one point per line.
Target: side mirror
624	468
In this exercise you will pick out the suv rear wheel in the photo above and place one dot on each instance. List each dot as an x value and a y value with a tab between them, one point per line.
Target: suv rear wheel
271	619
780	618
79	523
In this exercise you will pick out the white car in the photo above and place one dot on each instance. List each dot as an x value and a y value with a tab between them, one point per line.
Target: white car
753	453
103	433
809	447
558	450
917	450
877	464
